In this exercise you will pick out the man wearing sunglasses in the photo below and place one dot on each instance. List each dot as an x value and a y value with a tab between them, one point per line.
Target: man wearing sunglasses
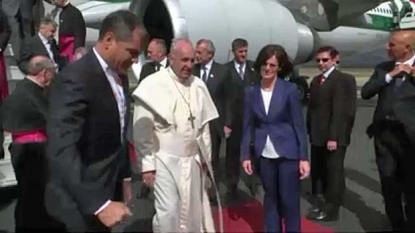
330	119
393	128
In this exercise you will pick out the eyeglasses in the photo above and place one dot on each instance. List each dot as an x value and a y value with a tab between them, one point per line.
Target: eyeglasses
324	60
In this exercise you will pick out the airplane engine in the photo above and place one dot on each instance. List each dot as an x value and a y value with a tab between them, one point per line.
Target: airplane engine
260	22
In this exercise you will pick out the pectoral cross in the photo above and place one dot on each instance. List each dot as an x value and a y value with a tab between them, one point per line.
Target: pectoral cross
191	119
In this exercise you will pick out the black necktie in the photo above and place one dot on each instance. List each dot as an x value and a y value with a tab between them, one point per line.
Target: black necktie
51	43
158	65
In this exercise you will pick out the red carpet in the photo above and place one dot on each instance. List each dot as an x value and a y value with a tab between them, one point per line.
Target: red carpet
248	217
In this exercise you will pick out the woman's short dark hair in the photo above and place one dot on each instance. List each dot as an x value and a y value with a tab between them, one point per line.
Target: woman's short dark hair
284	63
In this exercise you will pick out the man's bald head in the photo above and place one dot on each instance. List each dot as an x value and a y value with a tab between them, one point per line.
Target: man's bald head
401	45
182	56
42	69
409	37
39	63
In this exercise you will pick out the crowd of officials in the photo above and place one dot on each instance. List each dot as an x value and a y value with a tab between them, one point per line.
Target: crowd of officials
260	117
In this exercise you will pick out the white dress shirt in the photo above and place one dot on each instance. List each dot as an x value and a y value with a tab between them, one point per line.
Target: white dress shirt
121	104
409	62
328	72
163	63
269	149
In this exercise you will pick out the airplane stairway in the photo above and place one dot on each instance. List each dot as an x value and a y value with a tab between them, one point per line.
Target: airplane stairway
13	72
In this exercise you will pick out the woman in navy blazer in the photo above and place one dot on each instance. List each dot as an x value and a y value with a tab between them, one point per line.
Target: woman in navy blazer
274	124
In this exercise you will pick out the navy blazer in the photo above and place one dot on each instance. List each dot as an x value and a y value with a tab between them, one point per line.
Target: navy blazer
284	122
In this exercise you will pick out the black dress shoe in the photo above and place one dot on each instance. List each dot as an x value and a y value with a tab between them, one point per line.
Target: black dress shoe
323	216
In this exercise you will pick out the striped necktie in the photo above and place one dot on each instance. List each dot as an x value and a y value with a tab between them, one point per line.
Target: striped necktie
241	71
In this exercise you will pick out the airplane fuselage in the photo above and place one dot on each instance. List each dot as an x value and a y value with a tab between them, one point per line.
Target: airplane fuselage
259	21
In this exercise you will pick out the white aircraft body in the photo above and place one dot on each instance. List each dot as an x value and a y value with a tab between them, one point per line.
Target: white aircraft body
289	23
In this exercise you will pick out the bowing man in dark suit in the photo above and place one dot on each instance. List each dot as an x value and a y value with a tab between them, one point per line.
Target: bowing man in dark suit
24	115
274	122
42	44
330	118
157	54
242	75
89	111
393	128
216	77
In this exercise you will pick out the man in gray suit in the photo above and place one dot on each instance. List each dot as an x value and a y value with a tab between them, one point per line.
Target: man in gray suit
20	16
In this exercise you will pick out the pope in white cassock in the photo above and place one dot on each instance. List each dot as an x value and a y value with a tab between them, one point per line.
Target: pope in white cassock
171	135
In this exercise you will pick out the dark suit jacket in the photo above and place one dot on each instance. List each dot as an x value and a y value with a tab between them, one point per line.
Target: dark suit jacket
147	69
399	105
377	85
86	155
250	77
221	90
284	123
5	30
332	109
33	47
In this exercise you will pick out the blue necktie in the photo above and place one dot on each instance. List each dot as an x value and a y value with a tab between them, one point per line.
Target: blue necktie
204	75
